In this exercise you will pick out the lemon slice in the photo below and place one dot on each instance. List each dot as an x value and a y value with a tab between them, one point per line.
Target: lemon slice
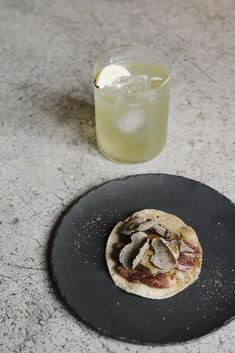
109	74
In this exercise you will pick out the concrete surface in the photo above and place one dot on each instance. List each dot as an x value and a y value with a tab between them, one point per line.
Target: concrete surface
48	154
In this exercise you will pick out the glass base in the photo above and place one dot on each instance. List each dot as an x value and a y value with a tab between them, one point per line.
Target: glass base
120	161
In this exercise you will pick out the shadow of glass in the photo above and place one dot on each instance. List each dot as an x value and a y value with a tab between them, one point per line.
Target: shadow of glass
75	114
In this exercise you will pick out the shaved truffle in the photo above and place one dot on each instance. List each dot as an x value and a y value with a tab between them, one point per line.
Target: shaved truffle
132	224
129	227
173	246
146	265
129	252
139	256
139	217
162	258
166	233
161	230
147	225
138	222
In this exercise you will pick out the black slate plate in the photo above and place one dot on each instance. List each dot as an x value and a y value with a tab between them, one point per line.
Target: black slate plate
78	269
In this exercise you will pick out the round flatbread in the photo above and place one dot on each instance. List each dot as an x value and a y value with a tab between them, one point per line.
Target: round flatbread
185	257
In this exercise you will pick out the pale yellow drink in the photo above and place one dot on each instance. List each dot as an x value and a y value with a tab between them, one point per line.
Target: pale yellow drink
132	127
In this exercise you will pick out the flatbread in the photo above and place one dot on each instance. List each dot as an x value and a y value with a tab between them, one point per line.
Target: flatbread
179	280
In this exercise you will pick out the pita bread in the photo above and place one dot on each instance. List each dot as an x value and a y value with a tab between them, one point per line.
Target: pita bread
178	279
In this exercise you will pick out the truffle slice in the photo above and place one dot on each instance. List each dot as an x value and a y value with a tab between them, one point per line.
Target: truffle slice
161	230
146	264
132	224
128	253
163	257
166	233
139	256
173	246
147	225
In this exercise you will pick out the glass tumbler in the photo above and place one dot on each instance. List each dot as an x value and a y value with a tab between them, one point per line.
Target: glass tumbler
132	113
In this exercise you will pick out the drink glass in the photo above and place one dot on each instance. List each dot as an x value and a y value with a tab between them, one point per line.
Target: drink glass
131	116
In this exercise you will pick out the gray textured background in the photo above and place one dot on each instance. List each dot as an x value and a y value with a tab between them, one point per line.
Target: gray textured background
48	154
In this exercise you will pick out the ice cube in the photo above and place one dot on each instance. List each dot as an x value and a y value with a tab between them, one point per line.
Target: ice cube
132	121
133	85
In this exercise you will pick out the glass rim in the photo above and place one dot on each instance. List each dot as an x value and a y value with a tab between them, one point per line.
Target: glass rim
160	59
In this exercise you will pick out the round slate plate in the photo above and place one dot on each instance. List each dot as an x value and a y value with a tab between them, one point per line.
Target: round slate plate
78	269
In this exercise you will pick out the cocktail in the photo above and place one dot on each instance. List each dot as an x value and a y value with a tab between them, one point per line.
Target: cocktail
131	91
